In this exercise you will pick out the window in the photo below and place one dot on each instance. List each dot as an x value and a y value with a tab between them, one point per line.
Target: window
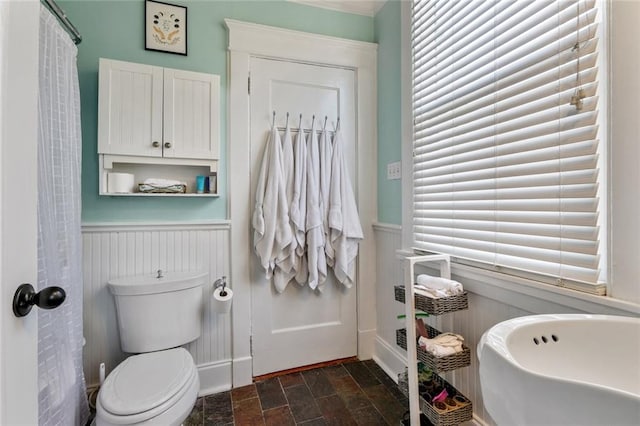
507	136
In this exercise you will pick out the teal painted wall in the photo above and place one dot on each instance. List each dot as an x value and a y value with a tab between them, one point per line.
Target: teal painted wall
115	30
387	32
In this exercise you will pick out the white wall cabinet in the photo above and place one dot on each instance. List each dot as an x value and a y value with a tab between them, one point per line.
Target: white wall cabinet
157	122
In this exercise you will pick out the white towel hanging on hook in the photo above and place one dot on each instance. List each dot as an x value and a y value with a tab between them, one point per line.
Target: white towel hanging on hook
272	231
325	182
298	207
305	217
315	236
286	258
344	221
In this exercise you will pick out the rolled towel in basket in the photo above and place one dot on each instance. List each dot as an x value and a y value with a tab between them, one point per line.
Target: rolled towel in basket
438	287
442	345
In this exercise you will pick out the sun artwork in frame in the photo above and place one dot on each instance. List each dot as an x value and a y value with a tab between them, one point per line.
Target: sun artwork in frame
165	27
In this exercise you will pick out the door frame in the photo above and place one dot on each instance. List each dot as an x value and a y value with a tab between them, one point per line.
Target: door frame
19	39
247	40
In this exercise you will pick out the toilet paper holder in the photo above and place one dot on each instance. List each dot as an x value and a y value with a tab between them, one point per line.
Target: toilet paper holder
221	282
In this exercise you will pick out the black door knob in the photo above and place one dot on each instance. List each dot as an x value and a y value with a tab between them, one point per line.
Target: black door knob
47	298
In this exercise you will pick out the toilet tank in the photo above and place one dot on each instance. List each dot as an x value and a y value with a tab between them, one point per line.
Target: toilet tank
158	312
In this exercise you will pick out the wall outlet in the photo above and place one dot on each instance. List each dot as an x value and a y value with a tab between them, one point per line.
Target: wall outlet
394	170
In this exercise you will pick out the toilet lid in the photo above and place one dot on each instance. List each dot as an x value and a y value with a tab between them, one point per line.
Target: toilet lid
143	382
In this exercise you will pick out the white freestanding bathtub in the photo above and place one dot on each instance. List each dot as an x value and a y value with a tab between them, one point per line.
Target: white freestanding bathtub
568	369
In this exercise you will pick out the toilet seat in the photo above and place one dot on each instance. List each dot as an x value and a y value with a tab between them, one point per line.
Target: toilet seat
147	385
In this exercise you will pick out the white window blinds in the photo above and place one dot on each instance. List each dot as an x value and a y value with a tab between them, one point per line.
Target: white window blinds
506	166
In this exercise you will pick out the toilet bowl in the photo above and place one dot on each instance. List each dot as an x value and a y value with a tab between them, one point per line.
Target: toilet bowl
158	388
159	385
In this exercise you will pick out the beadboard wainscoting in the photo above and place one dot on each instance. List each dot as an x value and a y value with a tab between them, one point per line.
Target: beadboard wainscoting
389	273
492	298
118	250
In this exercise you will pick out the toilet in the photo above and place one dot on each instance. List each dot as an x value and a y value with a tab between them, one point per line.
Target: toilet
156	315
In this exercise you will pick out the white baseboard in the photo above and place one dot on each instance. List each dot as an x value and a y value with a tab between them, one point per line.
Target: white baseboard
214	377
242	371
366	343
477	421
389	359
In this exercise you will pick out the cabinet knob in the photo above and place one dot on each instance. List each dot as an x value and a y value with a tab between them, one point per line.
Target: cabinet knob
155	144
167	144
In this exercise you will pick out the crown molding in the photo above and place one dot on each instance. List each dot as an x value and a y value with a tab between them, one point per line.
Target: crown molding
358	7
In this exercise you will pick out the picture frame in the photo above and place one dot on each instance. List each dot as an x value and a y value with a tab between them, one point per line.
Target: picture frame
165	27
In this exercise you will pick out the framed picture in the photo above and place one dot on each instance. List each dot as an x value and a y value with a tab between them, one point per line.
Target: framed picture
165	27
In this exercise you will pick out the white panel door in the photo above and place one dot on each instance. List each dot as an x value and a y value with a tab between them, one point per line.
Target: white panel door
300	326
191	114
18	198
129	109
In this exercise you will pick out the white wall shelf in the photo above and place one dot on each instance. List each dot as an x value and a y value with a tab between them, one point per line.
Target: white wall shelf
143	168
159	123
160	194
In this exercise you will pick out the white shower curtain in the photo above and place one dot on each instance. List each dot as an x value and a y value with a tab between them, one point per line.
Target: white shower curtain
62	394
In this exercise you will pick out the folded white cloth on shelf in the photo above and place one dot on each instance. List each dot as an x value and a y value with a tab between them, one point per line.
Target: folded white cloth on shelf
442	345
162	183
434	294
437	287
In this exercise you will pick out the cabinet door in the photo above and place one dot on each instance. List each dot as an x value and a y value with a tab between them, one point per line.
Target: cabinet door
191	114
129	109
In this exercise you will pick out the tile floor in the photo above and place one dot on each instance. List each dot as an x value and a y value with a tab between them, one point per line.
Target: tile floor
352	393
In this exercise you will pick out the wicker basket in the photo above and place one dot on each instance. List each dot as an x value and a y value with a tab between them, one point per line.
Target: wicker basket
459	410
433	363
151	189
433	306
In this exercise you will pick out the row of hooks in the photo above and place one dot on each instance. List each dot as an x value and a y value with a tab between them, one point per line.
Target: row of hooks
273	122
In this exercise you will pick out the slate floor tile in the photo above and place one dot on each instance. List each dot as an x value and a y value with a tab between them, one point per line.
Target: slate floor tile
369	417
356	401
248	412
347	394
279	416
270	393
291	380
318	383
314	422
245	392
302	403
384	401
361	374
335	411
335	371
344	384
218	409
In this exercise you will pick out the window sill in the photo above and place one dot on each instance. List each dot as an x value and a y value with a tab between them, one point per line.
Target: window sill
534	296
